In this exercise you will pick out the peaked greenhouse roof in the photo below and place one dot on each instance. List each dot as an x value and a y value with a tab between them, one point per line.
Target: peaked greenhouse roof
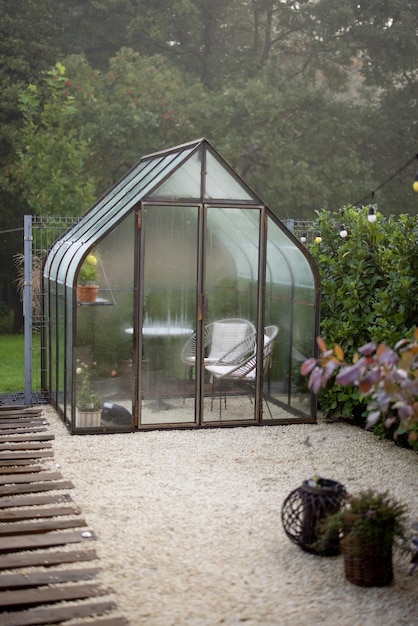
189	173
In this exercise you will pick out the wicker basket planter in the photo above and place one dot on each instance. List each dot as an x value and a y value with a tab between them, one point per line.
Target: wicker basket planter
369	524
305	507
367	563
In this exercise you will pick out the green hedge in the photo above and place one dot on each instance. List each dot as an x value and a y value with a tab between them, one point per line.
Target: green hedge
369	289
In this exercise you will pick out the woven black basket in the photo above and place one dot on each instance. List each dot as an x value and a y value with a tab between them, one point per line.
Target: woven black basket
305	507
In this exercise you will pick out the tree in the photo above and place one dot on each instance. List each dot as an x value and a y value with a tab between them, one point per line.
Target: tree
83	128
28	29
52	156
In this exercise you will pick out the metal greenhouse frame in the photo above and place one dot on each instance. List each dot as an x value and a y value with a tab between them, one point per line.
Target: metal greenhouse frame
206	304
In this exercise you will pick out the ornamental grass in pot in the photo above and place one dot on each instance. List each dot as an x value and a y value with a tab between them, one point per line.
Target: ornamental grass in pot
368	526
89	403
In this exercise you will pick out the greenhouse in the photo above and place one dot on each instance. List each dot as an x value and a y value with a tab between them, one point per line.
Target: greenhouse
179	300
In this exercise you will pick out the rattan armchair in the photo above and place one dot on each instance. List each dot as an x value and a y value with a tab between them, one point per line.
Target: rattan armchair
220	338
240	363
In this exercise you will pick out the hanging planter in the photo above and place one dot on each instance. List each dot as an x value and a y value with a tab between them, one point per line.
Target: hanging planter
87	287
87	293
304	509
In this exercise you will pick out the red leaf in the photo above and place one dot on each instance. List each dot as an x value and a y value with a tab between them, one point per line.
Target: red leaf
321	344
307	366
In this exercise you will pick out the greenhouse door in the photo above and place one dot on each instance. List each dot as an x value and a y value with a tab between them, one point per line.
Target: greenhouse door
231	278
167	313
198	298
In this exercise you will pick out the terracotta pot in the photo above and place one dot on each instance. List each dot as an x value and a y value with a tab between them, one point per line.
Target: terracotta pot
87	293
88	419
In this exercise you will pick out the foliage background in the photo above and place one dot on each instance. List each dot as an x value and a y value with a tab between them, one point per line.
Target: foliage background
369	291
314	103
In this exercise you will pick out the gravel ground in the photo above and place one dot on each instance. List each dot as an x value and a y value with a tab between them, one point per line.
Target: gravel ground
189	530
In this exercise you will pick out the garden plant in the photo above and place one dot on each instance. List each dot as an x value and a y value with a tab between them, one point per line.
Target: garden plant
369	290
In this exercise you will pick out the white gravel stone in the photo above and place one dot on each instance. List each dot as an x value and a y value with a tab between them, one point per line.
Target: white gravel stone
189	530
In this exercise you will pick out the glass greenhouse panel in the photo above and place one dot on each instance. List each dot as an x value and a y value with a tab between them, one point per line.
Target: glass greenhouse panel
69	338
184	183
231	286
53	341
61	332
103	344
303	328
290	300
221	184
168	286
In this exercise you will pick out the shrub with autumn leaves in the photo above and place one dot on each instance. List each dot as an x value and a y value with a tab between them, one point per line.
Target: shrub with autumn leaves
387	379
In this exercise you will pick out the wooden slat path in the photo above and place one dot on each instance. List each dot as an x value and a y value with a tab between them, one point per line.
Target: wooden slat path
46	572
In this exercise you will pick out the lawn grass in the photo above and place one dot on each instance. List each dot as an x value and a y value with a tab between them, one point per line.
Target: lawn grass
12	363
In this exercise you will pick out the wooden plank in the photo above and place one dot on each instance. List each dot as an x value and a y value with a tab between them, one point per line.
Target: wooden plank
18	412
38	429
18	429
13	469
11	490
31	445
44	540
28	478
24	421
106	621
46	559
37	579
37	513
16	437
16	462
33	597
55	615
28	527
38	499
36	454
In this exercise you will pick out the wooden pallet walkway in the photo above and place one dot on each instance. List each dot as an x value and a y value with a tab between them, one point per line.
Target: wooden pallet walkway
48	567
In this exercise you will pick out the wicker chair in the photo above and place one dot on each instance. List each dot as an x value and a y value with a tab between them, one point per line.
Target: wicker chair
240	363
220	338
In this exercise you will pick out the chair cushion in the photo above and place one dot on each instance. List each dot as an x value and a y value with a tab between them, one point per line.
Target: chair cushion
225	336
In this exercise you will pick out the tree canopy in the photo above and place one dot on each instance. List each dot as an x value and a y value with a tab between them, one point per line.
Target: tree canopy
313	103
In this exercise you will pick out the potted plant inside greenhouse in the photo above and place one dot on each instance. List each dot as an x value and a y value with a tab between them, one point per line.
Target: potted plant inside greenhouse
87	283
368	525
89	403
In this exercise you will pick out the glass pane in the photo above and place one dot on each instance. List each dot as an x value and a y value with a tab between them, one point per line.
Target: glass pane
104	348
169	314
221	184
53	339
290	305
184	183
231	287
69	353
61	333
302	349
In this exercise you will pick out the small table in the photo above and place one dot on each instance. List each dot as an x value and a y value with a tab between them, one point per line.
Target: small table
163	330
156	331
